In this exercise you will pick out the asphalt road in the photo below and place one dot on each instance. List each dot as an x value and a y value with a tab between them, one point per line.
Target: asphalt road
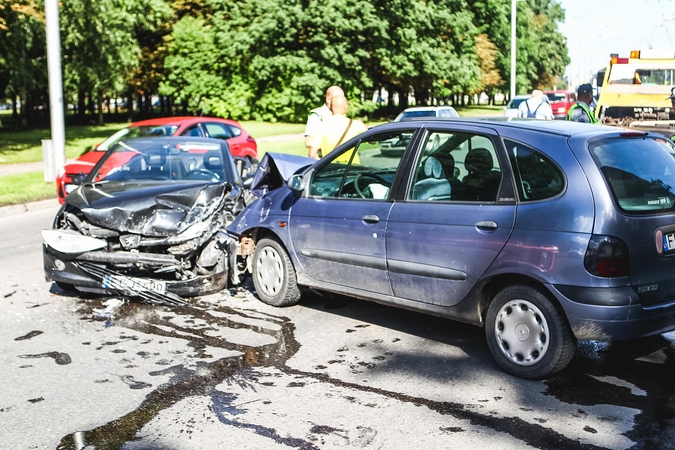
230	372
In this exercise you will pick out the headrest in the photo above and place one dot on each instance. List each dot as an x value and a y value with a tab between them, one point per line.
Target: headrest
433	168
478	160
155	159
213	160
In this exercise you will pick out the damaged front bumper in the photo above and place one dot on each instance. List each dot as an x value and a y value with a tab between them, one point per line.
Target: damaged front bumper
82	263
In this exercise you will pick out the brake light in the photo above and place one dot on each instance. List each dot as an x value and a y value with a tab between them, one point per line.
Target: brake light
607	256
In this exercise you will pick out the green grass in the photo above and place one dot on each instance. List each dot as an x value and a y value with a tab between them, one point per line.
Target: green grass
292	147
26	146
479	110
264	129
25	187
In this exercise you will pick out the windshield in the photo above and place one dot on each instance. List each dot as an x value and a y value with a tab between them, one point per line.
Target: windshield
649	74
556	97
134	132
420	113
513	104
171	160
640	173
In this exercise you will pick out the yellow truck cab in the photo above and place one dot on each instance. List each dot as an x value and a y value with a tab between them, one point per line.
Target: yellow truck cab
635	89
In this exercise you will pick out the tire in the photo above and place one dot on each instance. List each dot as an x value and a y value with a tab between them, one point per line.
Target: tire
527	334
273	274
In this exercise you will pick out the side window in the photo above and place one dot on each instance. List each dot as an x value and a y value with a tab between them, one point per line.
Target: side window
234	130
193	131
456	167
365	171
218	130
537	176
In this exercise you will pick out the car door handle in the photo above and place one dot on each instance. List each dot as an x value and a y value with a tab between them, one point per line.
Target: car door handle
486	225
370	218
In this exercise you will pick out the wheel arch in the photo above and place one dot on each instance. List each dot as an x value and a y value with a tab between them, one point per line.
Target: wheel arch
499	282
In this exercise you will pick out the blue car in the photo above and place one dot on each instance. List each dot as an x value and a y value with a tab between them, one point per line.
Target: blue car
542	232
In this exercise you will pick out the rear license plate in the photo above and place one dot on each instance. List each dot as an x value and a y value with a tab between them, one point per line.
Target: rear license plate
133	284
668	242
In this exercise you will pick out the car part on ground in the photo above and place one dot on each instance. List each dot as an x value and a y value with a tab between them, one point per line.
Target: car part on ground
148	221
544	232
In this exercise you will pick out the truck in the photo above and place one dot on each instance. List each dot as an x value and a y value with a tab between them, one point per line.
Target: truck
634	91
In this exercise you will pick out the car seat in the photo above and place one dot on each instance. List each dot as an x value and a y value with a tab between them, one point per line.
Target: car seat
155	166
481	183
434	186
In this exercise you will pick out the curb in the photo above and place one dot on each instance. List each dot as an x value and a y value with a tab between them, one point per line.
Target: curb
26	207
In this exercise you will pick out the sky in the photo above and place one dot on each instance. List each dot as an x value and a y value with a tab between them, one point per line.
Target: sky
596	28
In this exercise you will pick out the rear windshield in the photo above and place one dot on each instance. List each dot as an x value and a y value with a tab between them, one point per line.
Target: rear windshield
422	113
516	102
556	97
640	173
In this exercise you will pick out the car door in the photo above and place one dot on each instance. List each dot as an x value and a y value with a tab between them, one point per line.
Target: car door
455	216
338	227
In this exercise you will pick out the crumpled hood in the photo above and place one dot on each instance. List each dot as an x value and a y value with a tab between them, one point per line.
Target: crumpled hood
158	210
275	169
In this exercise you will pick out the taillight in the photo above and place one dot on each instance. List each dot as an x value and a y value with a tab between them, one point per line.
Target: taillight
607	256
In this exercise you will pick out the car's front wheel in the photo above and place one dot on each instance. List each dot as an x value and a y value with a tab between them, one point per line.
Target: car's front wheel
527	334
273	274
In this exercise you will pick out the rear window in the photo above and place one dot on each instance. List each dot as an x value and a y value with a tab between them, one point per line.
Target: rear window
516	102
640	173
556	97
411	114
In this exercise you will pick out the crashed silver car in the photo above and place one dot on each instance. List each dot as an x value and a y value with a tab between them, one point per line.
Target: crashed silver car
147	222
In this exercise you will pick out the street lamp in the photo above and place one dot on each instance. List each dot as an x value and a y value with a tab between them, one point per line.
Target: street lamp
513	49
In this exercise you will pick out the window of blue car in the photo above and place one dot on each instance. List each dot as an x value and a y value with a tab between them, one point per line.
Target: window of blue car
639	171
456	166
537	176
365	171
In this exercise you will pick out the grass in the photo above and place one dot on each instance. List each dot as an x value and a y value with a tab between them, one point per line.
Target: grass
26	146
25	187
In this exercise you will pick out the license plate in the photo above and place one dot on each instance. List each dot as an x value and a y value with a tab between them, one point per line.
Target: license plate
123	283
70	188
668	242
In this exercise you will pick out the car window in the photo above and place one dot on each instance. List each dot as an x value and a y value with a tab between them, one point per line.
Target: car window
639	172
365	171
218	130
233	130
144	160
193	131
537	176
456	166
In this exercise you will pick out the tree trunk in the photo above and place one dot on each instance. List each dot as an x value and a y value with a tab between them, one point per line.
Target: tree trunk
99	104
130	106
80	107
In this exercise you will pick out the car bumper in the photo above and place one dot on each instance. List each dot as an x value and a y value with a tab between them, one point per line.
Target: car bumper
610	314
65	269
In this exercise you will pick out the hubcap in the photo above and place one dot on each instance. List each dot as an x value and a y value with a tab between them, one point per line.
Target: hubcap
522	332
270	271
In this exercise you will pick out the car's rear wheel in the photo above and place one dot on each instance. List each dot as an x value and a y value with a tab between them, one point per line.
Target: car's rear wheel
273	274
527	334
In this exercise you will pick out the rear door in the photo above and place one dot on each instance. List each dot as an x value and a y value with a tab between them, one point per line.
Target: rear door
338	229
440	240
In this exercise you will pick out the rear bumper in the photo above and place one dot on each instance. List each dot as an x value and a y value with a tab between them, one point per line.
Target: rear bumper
615	316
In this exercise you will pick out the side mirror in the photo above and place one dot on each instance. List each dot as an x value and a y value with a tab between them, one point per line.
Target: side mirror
78	178
296	183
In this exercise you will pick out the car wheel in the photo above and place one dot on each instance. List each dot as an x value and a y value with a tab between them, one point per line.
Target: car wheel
527	334
273	274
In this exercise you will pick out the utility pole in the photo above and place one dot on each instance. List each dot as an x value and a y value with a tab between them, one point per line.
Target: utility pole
58	140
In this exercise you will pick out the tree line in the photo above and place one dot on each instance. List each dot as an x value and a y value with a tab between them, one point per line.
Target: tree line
270	60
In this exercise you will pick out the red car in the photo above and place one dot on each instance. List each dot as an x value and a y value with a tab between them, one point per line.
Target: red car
561	101
239	141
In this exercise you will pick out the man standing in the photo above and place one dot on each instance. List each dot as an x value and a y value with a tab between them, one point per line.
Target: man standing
335	130
581	110
318	115
536	107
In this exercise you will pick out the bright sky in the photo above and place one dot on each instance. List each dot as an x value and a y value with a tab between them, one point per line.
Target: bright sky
596	28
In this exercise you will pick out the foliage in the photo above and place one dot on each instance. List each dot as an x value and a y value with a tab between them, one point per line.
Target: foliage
269	60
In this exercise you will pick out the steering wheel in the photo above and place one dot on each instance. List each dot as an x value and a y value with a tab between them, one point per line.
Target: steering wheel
202	173
360	176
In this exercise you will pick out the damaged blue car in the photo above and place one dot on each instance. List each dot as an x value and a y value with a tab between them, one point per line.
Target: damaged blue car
542	232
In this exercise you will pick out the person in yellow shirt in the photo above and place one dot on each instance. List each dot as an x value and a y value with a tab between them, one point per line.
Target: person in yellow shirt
335	130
